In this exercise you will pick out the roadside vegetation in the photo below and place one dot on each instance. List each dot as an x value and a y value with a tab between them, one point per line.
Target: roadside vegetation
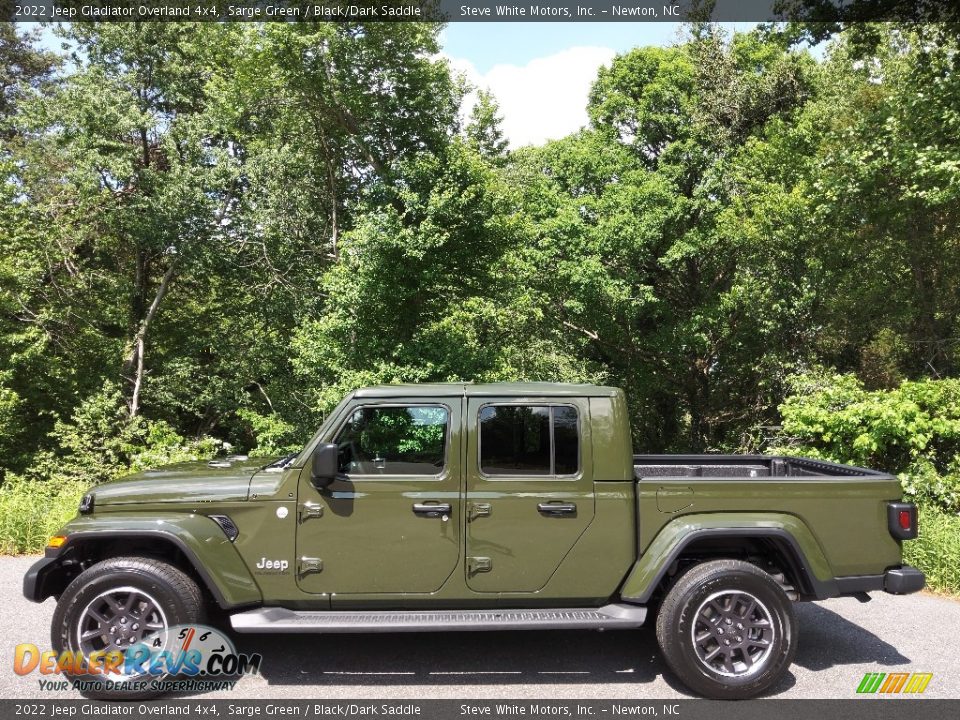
210	232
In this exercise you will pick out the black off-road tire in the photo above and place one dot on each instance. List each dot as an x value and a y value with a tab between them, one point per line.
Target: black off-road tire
174	591
700	615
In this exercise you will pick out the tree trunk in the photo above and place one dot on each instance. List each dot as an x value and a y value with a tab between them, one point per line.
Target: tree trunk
135	358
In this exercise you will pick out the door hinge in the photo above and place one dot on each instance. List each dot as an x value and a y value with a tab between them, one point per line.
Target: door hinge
479	565
309	565
310	510
477	510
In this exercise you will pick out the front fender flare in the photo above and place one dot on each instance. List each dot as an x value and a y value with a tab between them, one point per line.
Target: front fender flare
212	555
670	542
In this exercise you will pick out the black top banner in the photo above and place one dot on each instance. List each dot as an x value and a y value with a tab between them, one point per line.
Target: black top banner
845	11
528	709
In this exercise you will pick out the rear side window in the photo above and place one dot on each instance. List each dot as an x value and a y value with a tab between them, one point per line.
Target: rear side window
399	440
529	440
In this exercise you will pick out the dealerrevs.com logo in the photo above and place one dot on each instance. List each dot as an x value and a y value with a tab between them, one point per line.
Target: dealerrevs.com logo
183	658
894	683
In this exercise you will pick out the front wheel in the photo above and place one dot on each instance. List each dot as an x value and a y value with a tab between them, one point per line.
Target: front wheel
114	605
727	630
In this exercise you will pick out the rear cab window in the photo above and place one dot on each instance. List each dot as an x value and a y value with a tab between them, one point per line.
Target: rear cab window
529	440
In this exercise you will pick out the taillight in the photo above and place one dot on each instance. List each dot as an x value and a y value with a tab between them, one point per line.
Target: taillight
906	522
902	520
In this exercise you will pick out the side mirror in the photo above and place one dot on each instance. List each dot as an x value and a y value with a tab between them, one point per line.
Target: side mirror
324	465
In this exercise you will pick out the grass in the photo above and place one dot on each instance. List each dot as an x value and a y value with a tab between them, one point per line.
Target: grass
937	550
31	511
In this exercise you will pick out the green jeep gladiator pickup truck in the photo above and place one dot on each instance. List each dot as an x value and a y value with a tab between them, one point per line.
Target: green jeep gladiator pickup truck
484	507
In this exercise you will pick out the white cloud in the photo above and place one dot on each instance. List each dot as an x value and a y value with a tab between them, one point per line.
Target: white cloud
543	100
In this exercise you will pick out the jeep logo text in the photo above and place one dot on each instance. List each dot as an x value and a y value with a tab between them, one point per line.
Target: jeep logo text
266	564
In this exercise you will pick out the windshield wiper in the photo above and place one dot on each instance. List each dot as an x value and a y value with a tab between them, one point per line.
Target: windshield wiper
281	463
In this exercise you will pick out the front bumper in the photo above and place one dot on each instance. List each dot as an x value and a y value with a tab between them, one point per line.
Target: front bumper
903	580
43	574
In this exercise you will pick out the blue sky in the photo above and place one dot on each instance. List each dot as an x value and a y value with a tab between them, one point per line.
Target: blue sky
489	44
541	73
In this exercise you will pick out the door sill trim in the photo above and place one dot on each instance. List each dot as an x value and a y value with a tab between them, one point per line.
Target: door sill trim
284	620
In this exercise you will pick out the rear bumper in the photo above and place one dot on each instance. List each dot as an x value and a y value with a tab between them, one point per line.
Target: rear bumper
903	580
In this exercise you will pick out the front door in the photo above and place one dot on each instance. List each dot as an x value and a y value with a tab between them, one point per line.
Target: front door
389	524
529	490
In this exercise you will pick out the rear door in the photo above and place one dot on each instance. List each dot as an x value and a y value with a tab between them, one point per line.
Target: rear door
529	489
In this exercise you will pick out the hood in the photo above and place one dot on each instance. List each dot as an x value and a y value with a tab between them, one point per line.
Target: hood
193	482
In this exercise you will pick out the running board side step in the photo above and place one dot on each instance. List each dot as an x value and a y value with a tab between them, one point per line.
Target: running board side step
282	620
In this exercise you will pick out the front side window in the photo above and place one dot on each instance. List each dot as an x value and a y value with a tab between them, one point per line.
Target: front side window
401	440
529	440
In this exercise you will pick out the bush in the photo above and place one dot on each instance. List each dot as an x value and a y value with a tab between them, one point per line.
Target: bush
97	444
912	431
32	510
274	435
100	442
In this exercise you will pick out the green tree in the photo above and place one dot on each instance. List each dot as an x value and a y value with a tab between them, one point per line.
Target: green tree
175	200
484	130
640	263
886	202
23	68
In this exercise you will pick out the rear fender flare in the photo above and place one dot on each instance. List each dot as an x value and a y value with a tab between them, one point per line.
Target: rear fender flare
806	555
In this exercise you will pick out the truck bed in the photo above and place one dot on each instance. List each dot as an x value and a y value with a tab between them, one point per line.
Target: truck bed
827	501
724	467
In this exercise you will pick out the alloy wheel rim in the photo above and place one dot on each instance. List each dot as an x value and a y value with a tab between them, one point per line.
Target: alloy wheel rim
118	619
733	633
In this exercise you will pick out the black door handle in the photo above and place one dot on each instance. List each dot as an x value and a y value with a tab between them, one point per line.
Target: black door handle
432	510
557	508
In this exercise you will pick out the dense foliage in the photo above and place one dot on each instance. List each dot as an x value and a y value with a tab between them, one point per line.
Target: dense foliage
210	232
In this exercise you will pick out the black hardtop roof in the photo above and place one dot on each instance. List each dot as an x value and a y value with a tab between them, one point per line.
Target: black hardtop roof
525	389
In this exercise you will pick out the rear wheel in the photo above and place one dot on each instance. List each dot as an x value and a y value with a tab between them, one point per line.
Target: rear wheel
727	630
113	606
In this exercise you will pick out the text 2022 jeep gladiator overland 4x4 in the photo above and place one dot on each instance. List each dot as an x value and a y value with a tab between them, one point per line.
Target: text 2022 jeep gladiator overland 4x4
484	507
